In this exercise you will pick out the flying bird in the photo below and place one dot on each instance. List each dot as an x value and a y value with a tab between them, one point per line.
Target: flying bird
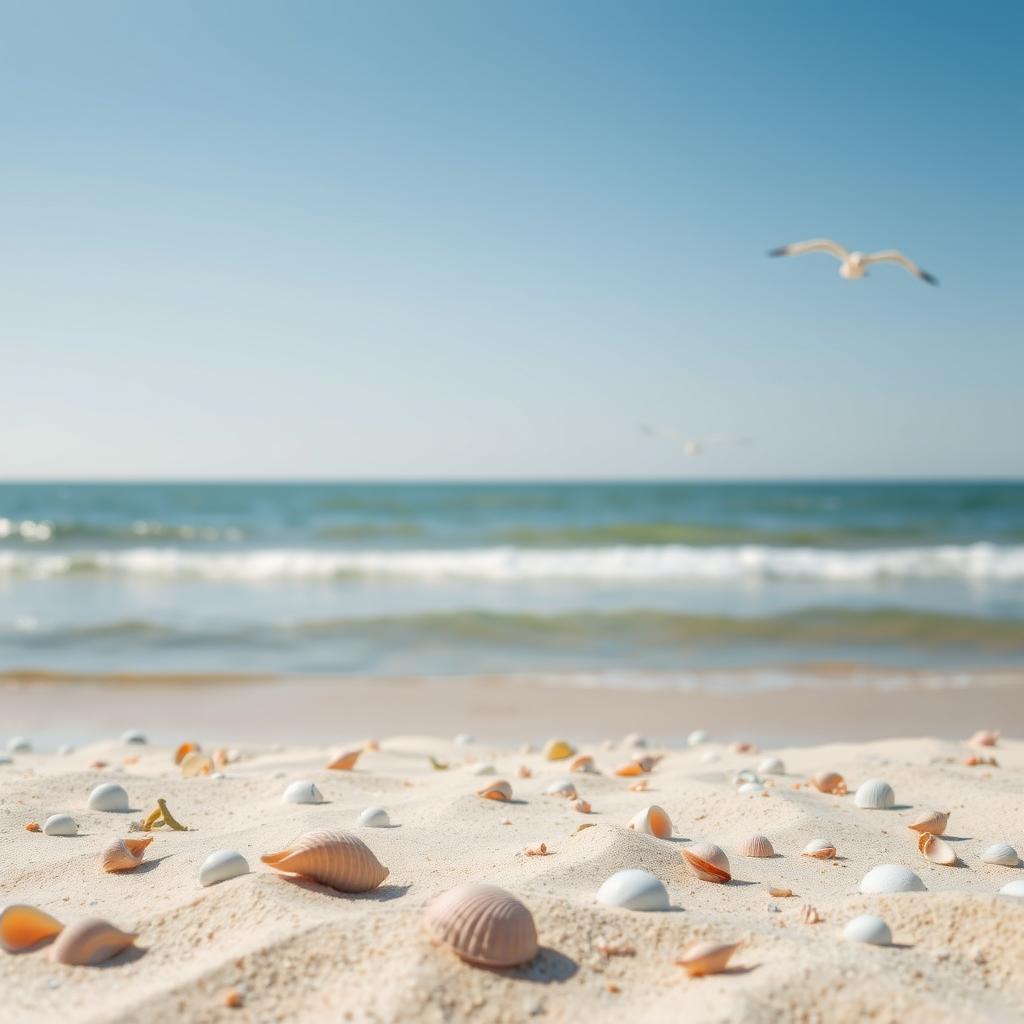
853	265
695	446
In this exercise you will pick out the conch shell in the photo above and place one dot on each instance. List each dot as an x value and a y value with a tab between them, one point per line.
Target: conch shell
484	925
706	958
829	782
933	822
345	762
22	927
332	857
124	854
938	851
499	789
89	942
653	821
708	862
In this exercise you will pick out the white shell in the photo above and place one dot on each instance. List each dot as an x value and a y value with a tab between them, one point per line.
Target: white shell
485	769
633	889
697	737
109	796
750	787
222	865
875	794
823	849
19	745
1015	888
133	736
562	787
870	929
302	792
652	821
374	817
60	825
890	878
746	775
1001	853
772	766
634	739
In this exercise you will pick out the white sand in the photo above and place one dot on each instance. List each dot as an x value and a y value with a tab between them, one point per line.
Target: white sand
297	951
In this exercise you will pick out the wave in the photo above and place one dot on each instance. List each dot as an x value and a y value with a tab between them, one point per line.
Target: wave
43	530
654	564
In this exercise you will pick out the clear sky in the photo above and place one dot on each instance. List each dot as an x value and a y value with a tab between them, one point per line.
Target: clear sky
486	239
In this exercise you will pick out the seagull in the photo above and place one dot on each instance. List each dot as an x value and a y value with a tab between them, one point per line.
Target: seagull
695	446
853	265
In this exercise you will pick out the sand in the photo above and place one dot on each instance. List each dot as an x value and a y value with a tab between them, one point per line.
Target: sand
297	951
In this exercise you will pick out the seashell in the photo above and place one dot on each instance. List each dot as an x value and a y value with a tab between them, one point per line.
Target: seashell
485	769
938	851
985	738
875	794
19	745
109	796
639	786
302	792
499	789
332	857
184	750
60	825
523	772
820	848
780	891
483	925
870	929
562	787
706	958
22	927
810	915
1015	888
697	737
89	942
829	782
772	766
582	806
746	775
222	865
583	763
196	763
558	750
345	762
933	822
133	736
464	740
638	766
708	862
890	878
633	741
1001	853
124	854
633	889
374	817
757	846
371	746
742	748
653	821
751	787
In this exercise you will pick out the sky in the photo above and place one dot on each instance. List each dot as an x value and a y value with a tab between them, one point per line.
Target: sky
459	240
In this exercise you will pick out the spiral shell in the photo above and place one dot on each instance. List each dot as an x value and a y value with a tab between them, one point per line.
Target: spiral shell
822	849
483	925
499	789
654	821
706	958
332	857
938	851
345	762
558	750
875	795
829	782
124	854
933	822
707	862
89	942
22	927
757	846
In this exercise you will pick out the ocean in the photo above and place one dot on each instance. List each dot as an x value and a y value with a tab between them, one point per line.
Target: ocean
606	579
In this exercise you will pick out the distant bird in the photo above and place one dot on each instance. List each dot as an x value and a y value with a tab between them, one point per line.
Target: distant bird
853	265
695	446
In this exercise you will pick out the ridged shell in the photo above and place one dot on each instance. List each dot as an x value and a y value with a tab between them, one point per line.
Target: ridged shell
1001	853
756	846
302	792
332	857
222	865
60	825
124	854
822	849
638	766
562	787
195	764
708	862
890	878
653	821
707	958
933	822
22	927
634	889
133	736
499	789
697	737
875	795
109	796
870	929
374	817
484	925
1015	888
89	942
558	750
583	763
345	762
938	851
772	766
829	782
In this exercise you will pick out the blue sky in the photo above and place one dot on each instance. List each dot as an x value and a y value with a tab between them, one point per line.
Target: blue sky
482	239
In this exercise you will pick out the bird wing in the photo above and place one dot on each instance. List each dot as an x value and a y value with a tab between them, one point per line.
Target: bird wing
812	245
895	256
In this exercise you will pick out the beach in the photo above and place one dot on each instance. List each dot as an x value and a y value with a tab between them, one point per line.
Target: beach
292	949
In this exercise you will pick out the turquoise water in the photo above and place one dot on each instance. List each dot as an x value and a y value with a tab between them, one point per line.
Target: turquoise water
467	578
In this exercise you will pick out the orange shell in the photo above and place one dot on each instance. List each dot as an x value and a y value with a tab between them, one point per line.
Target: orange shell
184	750
707	862
706	958
332	857
583	763
829	782
653	821
499	789
638	766
484	925
933	822
89	942
124	854
345	762
22	927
